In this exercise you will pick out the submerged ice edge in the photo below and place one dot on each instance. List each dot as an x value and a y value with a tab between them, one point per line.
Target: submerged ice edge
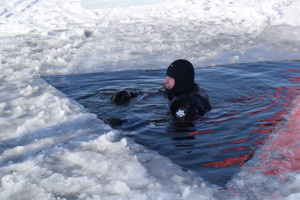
274	165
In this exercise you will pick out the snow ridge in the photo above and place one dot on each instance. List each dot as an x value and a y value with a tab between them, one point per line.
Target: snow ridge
9	8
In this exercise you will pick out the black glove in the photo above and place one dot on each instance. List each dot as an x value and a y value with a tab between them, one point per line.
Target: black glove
123	96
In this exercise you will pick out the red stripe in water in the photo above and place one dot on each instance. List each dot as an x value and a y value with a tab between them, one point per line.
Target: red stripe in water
240	141
235	149
293	70
230	161
262	110
263	131
201	132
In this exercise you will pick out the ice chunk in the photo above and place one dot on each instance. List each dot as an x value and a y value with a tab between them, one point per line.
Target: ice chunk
29	90
117	187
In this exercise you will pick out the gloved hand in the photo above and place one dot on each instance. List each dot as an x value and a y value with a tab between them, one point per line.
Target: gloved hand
123	96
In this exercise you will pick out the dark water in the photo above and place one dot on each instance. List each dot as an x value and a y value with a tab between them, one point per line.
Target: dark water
249	101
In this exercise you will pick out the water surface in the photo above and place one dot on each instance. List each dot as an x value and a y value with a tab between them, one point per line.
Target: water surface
249	101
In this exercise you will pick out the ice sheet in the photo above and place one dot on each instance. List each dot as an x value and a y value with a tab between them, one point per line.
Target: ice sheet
96	4
53	149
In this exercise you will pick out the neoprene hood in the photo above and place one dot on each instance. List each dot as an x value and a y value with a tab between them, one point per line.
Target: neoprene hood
183	72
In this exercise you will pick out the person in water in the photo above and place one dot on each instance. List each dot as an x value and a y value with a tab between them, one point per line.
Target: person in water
187	99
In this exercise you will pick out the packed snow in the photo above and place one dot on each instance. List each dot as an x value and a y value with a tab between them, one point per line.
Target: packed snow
93	4
52	148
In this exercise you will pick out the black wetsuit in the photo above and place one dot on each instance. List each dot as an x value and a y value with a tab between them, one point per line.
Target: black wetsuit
187	99
189	104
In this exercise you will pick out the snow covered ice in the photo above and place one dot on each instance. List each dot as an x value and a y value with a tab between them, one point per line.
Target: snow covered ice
52	148
92	4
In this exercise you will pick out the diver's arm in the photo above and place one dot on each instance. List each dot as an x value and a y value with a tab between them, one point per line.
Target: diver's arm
124	96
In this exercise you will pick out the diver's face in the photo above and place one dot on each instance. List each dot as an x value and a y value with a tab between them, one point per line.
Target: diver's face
169	82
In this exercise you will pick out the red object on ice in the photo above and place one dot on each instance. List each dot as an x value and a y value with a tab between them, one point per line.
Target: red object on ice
283	153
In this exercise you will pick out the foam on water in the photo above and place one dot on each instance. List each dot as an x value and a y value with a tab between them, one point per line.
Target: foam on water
53	149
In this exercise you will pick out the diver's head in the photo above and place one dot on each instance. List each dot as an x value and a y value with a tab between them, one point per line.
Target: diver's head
180	76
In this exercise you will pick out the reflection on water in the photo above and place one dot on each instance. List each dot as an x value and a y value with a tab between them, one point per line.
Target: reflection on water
249	100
